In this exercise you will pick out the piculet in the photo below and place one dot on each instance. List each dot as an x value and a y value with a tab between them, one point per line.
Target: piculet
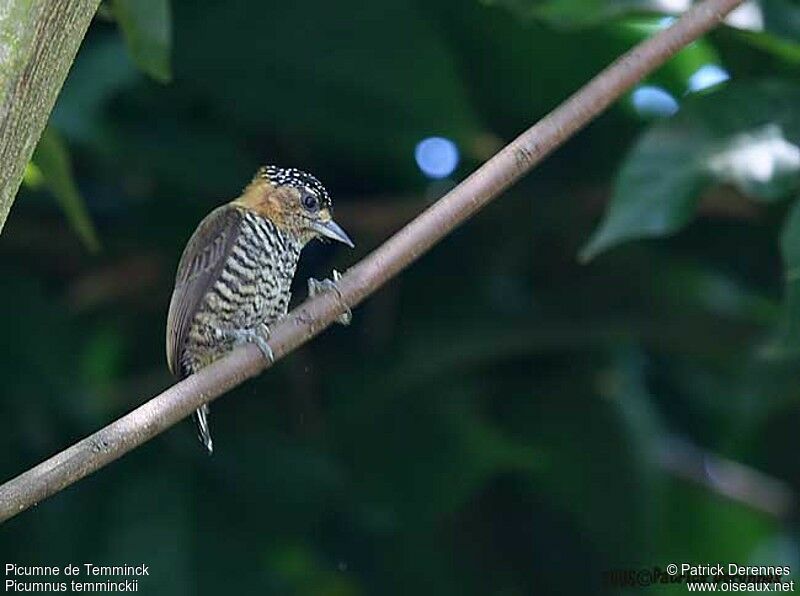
235	274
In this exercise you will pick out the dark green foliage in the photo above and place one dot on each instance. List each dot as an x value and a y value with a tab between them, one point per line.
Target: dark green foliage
147	28
491	421
745	135
51	165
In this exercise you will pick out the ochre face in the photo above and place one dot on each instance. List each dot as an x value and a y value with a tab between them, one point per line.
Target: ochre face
299	206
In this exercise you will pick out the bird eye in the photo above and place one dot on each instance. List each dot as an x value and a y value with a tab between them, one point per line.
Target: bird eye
311	202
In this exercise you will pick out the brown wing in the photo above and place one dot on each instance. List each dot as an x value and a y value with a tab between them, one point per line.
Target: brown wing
200	265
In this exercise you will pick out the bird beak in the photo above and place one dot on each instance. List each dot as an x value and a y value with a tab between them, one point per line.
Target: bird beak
330	229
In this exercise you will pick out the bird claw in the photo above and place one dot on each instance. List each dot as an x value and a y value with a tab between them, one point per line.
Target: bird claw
316	286
260	337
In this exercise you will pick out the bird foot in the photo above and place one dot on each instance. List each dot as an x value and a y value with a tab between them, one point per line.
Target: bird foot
259	336
316	286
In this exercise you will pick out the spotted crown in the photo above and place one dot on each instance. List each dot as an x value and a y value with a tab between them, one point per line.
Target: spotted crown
296	178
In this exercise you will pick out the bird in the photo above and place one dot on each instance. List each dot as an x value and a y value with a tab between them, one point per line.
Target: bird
234	277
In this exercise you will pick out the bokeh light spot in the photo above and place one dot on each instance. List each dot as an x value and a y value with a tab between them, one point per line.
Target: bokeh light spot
654	102
437	157
707	76
665	22
748	16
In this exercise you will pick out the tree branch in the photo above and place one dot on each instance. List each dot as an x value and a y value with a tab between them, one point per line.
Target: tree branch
725	477
38	42
407	245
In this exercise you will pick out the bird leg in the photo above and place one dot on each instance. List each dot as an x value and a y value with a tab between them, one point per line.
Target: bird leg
259	336
326	285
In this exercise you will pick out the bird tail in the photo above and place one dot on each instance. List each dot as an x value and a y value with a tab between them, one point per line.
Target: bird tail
203	430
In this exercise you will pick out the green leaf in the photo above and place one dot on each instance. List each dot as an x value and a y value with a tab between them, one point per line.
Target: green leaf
147	28
656	191
778	46
32	178
51	158
743	135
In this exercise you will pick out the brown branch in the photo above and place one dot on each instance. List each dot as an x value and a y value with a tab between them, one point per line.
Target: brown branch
407	245
38	42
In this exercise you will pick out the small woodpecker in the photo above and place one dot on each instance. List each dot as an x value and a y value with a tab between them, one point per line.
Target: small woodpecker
235	274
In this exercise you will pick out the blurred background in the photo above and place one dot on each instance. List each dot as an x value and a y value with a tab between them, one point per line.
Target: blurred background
599	371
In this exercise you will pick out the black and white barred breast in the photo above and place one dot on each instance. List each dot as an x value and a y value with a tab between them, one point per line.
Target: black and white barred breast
235	275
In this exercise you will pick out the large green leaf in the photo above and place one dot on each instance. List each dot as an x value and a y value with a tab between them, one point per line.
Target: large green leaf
743	135
147	27
656	191
51	159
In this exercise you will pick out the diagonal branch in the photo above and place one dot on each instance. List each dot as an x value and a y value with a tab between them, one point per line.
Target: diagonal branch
402	249
725	477
38	41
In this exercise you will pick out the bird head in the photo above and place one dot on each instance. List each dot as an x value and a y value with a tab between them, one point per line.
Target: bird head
295	201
